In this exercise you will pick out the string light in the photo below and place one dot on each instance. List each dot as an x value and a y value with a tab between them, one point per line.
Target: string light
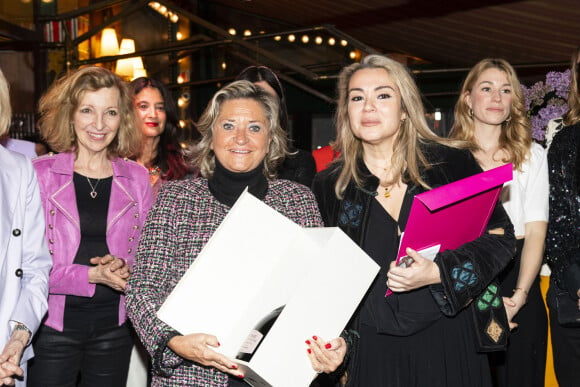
162	10
331	41
318	40
232	31
247	33
305	39
343	43
291	38
277	38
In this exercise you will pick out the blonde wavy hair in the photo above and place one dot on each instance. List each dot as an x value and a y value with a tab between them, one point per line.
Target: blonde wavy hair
408	160
573	115
5	107
58	105
204	157
516	135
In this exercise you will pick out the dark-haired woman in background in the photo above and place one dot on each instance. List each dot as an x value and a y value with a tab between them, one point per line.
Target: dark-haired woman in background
157	119
299	165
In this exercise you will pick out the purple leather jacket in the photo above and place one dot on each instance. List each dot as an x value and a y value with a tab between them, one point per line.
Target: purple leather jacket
129	203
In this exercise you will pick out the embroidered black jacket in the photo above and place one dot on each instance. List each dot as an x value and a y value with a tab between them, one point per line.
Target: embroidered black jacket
563	238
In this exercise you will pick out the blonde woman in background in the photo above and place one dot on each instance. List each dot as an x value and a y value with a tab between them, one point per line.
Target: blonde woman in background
490	115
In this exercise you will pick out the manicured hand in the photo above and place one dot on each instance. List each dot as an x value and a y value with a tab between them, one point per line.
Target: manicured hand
326	356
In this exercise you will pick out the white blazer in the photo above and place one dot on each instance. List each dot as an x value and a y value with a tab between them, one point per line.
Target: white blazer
24	258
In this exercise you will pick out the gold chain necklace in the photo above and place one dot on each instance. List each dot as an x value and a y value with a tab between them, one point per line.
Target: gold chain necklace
93	193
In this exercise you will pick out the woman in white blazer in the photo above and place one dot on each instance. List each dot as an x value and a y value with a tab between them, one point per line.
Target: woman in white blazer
24	257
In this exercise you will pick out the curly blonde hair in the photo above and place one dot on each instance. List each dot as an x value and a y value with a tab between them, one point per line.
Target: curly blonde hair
408	159
58	105
202	155
516	135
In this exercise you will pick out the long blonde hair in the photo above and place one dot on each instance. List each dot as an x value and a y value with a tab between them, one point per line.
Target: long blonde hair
408	159
573	114
516	135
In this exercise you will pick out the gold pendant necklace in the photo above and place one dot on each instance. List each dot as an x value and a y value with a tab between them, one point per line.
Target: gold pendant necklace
387	193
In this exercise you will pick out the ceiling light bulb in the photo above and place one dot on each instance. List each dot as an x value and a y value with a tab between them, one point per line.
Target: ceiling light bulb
343	43
305	39
318	40
291	38
331	41
232	31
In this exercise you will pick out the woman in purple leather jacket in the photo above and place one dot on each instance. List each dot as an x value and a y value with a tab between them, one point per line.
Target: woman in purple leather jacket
95	202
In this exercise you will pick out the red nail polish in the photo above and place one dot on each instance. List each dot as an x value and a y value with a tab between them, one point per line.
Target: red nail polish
234	366
327	345
219	344
309	350
315	338
240	376
307	342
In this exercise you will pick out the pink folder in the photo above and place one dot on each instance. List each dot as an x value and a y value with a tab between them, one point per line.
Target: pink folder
455	213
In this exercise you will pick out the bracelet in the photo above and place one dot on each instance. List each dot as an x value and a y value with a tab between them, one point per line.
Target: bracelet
522	289
22	327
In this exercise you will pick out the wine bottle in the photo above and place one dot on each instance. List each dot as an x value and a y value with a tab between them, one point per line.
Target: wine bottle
256	336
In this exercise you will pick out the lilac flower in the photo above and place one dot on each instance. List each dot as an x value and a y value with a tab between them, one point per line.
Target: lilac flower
546	100
559	82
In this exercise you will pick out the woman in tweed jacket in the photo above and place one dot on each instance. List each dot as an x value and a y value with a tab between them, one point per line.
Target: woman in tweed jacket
241	146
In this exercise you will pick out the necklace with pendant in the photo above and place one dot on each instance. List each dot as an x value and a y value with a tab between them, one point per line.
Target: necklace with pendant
387	193
93	193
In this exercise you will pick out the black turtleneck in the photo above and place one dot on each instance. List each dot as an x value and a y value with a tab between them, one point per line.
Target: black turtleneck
227	186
